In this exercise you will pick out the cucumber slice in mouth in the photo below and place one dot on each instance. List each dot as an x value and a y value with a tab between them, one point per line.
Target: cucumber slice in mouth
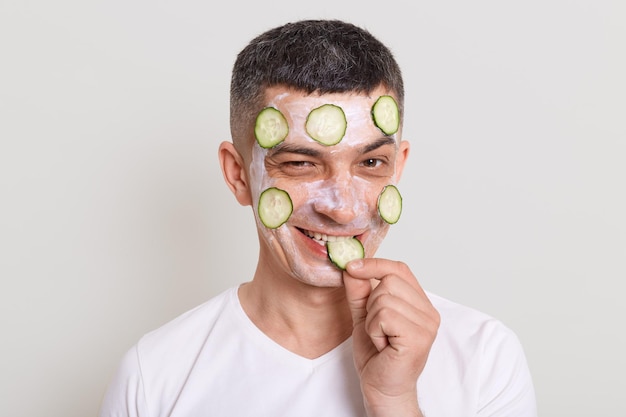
275	207
344	250
326	124
386	115
270	128
390	204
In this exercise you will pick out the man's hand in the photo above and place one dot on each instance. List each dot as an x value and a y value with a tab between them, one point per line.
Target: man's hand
394	328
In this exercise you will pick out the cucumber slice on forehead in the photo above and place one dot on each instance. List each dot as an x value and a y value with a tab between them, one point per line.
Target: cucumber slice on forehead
326	124
270	128
342	251
275	207
390	204
386	115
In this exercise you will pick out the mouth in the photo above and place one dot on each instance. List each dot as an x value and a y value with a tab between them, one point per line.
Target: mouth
322	238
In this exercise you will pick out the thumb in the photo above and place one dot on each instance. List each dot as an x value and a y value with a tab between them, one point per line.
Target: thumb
357	292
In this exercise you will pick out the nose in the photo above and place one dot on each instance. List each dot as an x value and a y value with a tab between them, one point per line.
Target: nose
338	200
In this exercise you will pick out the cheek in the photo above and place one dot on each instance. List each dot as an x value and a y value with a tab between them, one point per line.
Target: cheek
311	198
259	178
260	181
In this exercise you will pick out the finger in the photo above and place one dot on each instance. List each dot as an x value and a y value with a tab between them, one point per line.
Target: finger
357	294
392	288
408	306
378	268
390	327
394	308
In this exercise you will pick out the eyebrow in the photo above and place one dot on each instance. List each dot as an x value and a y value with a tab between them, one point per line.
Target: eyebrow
283	148
387	140
296	149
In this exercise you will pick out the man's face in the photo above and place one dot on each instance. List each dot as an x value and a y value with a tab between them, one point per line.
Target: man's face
334	189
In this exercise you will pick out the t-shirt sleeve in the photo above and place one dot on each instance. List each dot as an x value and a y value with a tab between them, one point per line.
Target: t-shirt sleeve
125	396
506	383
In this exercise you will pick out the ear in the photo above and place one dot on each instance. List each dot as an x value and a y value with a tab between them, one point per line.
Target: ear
234	172
403	155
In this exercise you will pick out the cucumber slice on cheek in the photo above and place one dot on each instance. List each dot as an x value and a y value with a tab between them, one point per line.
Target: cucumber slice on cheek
390	204
342	251
275	207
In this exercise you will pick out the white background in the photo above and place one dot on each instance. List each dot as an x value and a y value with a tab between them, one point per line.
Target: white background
114	216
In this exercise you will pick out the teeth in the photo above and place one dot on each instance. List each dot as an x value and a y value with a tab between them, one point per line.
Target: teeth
323	238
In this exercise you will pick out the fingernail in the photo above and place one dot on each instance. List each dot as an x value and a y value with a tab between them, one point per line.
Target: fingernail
356	264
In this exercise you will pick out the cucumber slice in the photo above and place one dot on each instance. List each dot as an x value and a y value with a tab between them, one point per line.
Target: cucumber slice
342	251
270	128
326	124
275	207
390	204
386	115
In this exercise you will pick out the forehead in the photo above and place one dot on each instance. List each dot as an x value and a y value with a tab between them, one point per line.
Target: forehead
290	98
297	105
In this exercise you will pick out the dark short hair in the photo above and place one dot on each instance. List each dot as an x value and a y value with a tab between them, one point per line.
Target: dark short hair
313	56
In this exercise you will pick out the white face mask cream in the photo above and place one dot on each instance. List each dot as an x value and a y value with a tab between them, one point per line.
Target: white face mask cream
334	189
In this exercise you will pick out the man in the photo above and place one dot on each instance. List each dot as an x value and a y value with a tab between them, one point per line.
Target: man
306	337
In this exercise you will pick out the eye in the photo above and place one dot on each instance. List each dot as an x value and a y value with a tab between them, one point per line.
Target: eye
297	167
297	164
372	163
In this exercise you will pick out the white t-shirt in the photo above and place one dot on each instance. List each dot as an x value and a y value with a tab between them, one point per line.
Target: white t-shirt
214	362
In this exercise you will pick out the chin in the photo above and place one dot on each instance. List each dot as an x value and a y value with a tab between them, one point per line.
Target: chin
327	276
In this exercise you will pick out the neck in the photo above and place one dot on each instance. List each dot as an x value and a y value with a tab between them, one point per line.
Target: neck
309	321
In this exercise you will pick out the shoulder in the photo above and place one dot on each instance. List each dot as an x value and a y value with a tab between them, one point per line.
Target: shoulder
486	359
462	322
161	360
187	331
475	339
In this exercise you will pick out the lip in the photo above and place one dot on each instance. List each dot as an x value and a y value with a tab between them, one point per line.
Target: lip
316	248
